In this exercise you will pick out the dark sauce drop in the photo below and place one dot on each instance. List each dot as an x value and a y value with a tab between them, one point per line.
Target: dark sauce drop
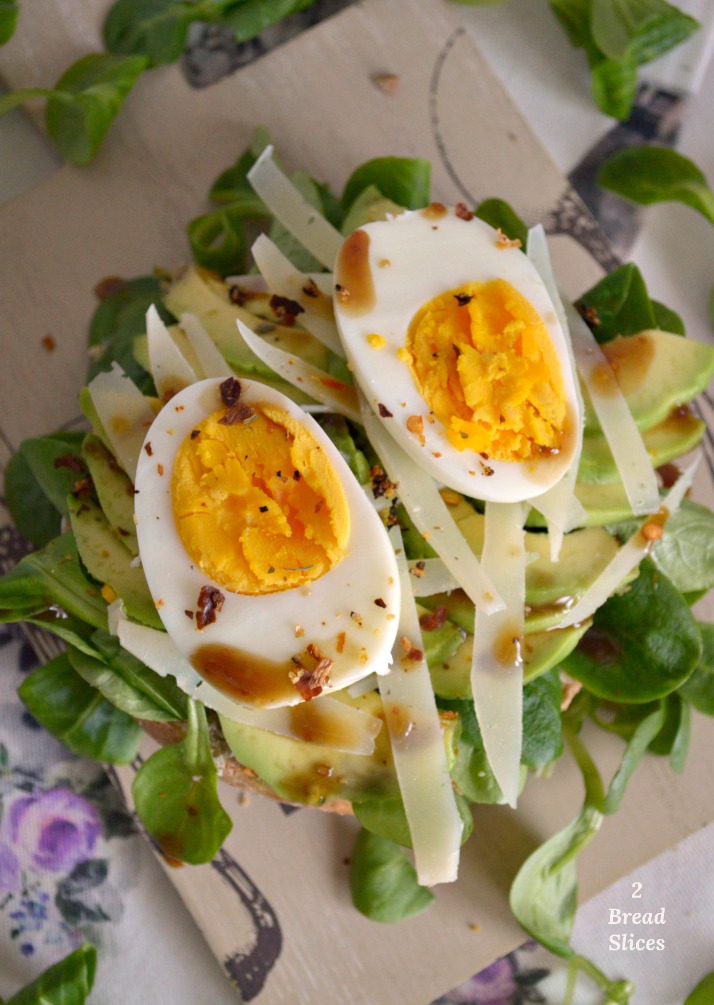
354	286
243	676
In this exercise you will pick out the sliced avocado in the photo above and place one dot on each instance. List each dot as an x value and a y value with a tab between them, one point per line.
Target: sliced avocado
603	504
311	773
679	433
657	372
109	561
197	291
114	490
541	652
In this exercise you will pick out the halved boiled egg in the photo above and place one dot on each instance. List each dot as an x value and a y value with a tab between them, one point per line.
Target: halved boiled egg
454	340
270	569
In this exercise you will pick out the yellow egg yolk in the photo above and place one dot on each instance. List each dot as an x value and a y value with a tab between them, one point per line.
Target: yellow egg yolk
484	363
258	504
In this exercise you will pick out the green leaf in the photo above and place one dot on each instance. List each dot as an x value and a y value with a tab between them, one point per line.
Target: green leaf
699	688
387	818
249	18
77	715
404	180
703	993
618	304
218	239
650	27
153	29
52	577
544	894
643	643
67	982
125	682
36	490
636	749
384	882
86	100
666	319
502	217
649	174
9	10
614	85
116	322
685	552
175	795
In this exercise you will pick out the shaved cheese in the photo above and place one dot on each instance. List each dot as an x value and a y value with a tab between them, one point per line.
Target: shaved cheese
628	557
430	576
322	386
292	209
561	508
623	437
431	516
350	729
497	662
125	415
170	369
208	356
284	279
418	747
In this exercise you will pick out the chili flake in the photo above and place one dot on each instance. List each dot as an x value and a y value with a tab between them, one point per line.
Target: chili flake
210	603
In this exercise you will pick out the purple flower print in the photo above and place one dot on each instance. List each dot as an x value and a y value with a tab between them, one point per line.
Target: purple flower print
493	986
57	829
9	869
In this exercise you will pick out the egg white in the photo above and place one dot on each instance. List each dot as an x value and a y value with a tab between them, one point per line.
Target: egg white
413	258
266	626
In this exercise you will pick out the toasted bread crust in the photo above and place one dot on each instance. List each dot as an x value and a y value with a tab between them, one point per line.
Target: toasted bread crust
229	769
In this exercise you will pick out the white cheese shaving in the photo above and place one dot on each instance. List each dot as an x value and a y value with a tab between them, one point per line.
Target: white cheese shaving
418	747
292	209
616	421
209	358
284	279
431	516
429	576
628	557
561	508
125	415
170	370
497	662
322	386
352	729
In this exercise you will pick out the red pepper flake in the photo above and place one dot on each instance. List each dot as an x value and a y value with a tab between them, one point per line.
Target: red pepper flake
387	82
238	413
263	509
230	391
49	343
210	603
463	212
589	314
504	241
411	652
357	618
195	433
285	309
380	603
435	619
310	683
160	469
314	651
381	485
417	570
311	289
108	286
342	293
189	614
463	298
384	411
71	461
296	475
148	448
341	638
336	385
83	487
